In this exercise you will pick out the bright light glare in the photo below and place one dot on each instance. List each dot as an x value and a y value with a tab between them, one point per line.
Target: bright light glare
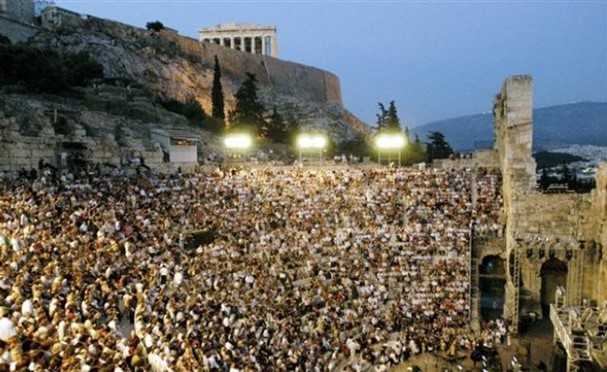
308	141
390	141
238	141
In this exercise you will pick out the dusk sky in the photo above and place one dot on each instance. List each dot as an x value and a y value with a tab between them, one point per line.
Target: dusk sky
435	59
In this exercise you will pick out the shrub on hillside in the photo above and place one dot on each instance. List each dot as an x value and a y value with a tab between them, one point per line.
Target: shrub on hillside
45	70
4	40
155	26
191	109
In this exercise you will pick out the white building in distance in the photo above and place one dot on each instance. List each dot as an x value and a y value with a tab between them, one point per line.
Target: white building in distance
180	145
250	38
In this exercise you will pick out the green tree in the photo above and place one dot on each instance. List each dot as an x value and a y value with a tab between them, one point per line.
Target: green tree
382	117
249	112
357	146
194	111
155	26
82	69
45	70
565	174
545	179
388	120
4	40
392	120
217	93
414	151
438	147
277	128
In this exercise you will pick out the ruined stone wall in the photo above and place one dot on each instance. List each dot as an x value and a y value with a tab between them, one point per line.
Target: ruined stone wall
598	224
513	110
481	158
571	227
21	10
15	30
282	77
286	77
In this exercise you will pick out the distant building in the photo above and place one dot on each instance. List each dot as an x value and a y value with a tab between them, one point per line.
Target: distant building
250	38
19	10
180	145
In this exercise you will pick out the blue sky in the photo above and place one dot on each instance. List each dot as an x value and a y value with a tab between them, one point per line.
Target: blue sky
435	59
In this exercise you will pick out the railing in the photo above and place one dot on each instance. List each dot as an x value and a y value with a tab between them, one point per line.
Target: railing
571	330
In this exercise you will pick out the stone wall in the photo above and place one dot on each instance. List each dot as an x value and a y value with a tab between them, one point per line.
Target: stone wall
570	227
15	30
26	153
480	158
598	222
286	77
513	110
280	76
54	18
21	10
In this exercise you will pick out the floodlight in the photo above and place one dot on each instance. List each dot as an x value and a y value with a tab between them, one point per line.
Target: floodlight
238	141
390	141
311	141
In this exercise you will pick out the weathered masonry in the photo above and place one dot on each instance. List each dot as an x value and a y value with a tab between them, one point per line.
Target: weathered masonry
17	21
250	38
20	10
554	249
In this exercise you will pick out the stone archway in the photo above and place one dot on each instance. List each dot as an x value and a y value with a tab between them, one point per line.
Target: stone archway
492	280
554	274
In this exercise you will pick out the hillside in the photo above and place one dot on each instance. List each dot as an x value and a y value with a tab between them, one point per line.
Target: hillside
173	66
582	123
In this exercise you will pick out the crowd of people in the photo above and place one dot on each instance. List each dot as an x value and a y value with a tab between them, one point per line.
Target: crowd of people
307	269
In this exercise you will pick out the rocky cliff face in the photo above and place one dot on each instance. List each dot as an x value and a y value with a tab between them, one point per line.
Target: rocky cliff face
173	66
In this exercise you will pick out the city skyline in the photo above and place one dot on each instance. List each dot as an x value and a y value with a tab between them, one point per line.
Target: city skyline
435	59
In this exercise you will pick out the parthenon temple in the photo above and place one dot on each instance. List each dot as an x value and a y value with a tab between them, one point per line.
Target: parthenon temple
250	38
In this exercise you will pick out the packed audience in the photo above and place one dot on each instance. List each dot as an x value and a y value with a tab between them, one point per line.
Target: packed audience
309	270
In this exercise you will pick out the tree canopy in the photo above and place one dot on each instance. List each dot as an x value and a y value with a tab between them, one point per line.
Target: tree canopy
45	70
155	26
249	112
438	147
278	131
217	93
388	120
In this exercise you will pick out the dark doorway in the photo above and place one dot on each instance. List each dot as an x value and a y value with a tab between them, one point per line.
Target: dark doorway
554	274
492	279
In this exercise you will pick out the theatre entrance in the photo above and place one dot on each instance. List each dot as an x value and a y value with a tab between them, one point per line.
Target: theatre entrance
492	280
554	274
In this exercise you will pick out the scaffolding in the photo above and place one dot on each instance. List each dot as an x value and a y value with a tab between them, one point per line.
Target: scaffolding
578	329
516	286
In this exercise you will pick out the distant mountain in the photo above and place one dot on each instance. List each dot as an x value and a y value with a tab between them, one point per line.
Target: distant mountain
583	123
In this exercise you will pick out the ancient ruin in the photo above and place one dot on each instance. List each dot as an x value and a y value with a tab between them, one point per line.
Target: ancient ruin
250	38
17	20
551	255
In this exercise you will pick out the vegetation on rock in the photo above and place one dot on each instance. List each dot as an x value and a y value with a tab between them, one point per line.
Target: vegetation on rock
155	26
45	70
190	108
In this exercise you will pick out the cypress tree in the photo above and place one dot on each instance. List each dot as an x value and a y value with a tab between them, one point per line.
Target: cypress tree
393	122
217	93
